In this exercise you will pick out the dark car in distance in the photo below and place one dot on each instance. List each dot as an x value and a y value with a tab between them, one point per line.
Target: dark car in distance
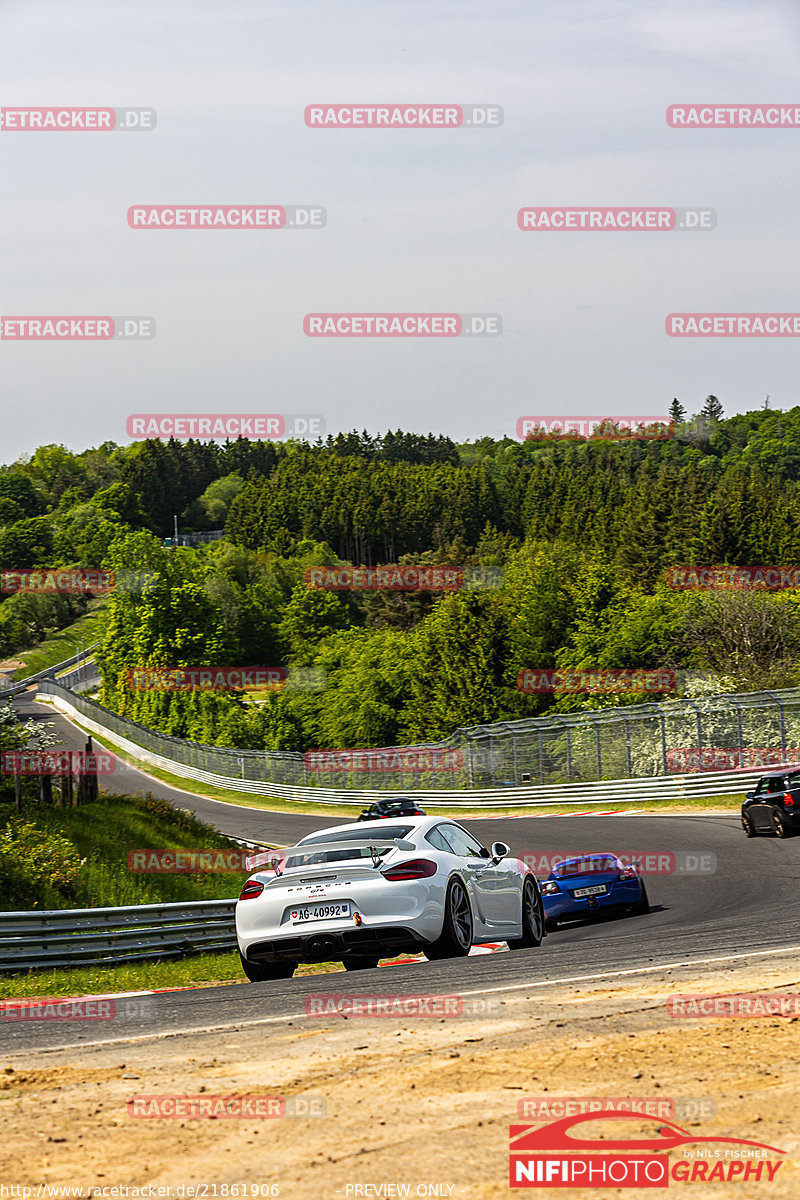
397	806
773	806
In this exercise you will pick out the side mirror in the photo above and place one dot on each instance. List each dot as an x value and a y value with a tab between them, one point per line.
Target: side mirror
750	796
499	851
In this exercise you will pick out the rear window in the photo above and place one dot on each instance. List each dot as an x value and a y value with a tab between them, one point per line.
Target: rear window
585	866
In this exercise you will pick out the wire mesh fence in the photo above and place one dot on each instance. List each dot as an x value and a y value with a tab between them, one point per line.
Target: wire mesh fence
730	732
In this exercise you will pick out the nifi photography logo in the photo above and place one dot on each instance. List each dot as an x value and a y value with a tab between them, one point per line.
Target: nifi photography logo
556	1155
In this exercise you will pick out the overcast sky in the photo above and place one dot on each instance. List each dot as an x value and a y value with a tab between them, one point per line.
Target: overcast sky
421	221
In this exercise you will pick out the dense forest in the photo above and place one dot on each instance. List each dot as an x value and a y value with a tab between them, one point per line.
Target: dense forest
573	536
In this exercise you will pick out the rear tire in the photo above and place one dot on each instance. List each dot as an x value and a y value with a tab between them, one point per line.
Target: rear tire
359	962
551	924
747	826
261	972
533	924
642	906
777	824
455	940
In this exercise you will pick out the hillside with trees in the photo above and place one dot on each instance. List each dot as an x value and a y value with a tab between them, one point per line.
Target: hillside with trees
578	533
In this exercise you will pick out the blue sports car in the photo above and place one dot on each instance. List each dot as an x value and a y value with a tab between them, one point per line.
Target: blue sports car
588	886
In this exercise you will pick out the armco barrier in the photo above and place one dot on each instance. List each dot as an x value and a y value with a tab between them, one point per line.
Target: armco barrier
97	936
22	685
620	791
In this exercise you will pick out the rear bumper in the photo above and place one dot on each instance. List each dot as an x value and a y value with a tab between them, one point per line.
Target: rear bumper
330	945
621	895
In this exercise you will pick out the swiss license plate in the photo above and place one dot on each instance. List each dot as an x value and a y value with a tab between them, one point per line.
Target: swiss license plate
319	912
598	890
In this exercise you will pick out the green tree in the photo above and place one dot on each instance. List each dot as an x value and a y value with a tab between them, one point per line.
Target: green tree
677	413
456	666
712	409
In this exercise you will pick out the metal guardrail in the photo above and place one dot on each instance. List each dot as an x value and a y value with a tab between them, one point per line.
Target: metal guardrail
22	685
103	936
618	791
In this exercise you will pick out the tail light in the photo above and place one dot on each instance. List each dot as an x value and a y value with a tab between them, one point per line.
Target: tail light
550	888
788	799
253	888
629	872
413	868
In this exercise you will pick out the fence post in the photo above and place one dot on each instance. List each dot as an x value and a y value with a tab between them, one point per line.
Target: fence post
45	790
628	744
566	726
781	715
596	723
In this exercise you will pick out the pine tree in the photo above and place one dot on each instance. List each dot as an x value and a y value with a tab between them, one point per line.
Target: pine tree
677	413
712	409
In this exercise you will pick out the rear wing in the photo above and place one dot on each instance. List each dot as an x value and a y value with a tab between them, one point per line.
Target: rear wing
276	859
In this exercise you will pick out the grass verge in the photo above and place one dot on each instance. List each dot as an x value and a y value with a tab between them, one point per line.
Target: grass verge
203	970
78	857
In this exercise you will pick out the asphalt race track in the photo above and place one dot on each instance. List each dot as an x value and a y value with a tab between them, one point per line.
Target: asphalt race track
742	906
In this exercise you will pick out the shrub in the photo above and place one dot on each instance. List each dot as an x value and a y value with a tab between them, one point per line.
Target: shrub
37	867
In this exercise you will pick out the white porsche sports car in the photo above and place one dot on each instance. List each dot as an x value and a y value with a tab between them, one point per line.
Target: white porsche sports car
359	892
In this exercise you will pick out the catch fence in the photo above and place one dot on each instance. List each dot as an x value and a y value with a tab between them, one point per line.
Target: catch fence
747	732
